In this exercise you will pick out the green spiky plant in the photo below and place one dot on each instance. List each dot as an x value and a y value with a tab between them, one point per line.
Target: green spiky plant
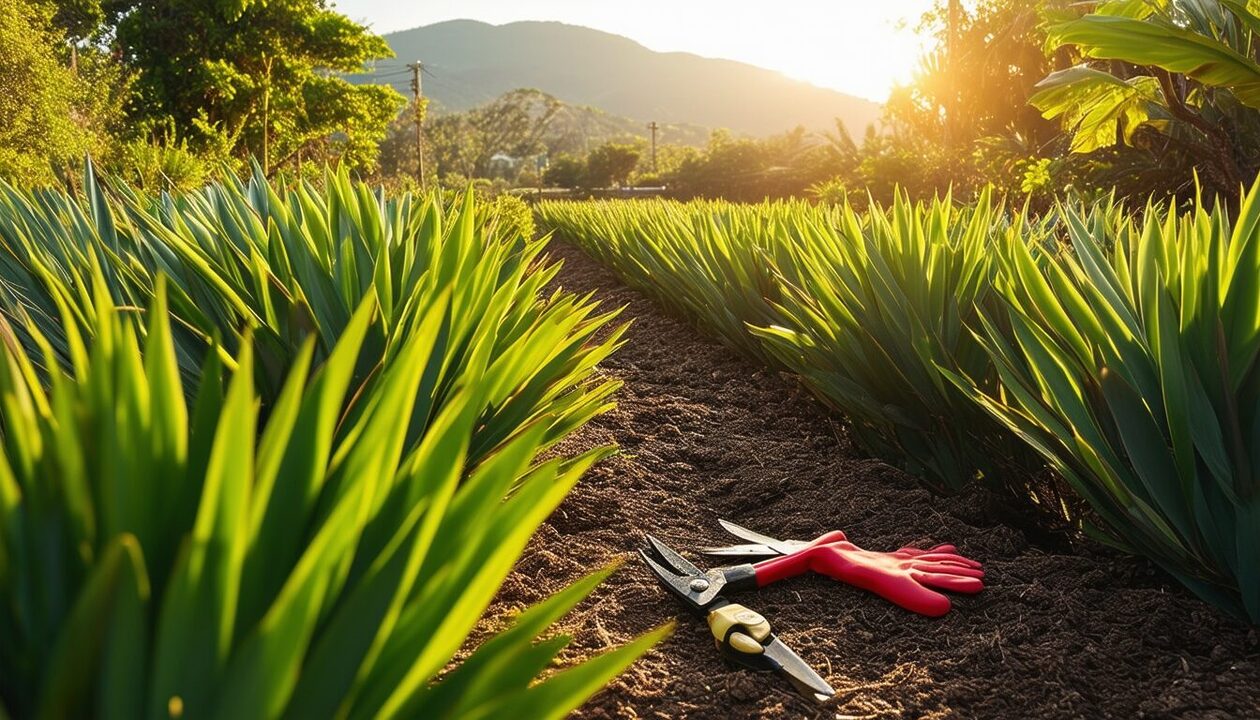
1126	360
710	262
861	306
161	557
287	260
291	263
879	303
1130	363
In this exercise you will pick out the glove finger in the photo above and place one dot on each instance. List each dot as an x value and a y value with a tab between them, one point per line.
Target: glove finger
944	568
949	557
953	583
920	599
953	568
916	552
950	562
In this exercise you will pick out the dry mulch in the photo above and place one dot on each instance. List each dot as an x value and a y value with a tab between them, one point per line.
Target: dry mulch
1084	633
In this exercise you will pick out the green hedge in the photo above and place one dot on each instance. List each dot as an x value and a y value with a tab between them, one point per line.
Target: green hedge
973	342
272	453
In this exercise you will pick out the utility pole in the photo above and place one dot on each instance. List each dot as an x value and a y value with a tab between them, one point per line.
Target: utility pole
266	158
417	91
951	70
653	127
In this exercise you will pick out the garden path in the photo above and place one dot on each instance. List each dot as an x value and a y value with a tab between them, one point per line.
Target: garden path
706	435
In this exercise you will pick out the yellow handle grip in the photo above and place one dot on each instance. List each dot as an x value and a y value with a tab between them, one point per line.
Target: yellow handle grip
739	628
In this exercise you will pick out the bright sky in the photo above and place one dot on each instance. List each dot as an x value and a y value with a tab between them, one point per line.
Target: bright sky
861	47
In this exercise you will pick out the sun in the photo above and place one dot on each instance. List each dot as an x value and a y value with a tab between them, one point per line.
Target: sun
867	64
859	48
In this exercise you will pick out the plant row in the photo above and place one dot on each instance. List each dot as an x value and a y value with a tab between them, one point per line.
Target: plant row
270	452
979	344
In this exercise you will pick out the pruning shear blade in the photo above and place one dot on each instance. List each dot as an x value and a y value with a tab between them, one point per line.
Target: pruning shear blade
681	565
749	550
798	672
761	545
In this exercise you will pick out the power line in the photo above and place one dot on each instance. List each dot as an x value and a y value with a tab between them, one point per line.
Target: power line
438	79
443	84
393	78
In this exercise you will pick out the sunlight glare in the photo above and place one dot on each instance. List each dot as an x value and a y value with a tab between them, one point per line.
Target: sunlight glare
854	46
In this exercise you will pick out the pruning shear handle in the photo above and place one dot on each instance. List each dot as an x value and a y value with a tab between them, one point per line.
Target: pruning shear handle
745	638
742	636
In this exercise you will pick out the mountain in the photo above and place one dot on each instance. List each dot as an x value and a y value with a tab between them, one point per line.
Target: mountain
470	63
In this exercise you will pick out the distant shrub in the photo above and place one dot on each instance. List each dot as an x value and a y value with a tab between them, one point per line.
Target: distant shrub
160	167
512	216
830	192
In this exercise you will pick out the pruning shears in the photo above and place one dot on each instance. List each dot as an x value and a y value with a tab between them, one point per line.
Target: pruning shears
909	577
742	635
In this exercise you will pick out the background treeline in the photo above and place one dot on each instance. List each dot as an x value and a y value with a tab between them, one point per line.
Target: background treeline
169	92
1140	98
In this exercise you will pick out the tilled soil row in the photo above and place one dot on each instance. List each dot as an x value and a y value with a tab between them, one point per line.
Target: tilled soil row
707	435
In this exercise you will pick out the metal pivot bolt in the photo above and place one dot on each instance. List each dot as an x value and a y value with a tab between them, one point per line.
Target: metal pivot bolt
699	585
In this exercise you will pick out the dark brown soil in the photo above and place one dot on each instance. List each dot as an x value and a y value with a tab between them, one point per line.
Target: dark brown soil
706	435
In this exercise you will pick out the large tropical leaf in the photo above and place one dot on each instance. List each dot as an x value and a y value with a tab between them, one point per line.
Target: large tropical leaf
1099	108
1162	45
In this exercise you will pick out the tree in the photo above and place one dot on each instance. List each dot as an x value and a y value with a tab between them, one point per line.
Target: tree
455	142
39	97
248	77
77	20
669	158
963	121
976	83
610	164
729	167
565	171
1176	82
744	169
398	149
464	143
514	124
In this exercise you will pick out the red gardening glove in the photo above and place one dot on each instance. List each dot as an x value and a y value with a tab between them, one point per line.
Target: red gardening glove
909	577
